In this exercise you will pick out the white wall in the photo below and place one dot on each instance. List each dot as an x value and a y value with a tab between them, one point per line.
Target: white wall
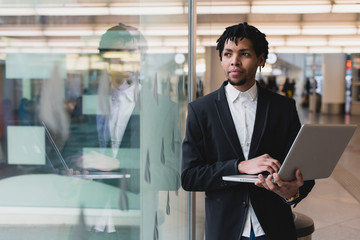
214	74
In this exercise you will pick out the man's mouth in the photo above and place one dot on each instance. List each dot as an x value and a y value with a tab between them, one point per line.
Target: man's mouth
236	72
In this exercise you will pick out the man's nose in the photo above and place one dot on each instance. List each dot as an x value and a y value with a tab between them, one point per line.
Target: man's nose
235	61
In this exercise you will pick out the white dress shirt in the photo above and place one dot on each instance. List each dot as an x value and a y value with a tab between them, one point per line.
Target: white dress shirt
243	111
122	105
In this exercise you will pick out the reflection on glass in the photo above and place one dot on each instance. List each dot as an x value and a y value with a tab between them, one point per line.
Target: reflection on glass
105	147
90	128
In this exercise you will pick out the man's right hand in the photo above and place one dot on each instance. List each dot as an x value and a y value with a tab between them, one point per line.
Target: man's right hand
259	164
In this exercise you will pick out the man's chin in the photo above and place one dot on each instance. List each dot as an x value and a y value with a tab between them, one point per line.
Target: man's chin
237	82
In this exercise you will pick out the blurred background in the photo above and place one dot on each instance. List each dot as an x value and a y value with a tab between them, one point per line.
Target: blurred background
59	181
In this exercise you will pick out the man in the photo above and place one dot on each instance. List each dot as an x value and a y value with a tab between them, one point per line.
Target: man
118	119
242	128
112	129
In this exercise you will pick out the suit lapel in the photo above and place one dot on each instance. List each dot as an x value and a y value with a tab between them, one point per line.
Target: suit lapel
227	122
260	121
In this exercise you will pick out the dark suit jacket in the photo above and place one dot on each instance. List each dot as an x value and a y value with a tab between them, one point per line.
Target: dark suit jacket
95	133
211	149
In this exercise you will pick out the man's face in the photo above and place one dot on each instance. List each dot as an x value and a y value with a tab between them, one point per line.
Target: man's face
240	63
123	67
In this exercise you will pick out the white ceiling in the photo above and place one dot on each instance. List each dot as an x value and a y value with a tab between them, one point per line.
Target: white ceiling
75	26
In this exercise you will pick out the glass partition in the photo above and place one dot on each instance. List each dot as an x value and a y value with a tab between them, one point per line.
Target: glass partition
92	119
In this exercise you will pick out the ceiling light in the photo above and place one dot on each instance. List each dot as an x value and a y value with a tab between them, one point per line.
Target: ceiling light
351	49
276	41
21	33
164	50
172	10
290	9
209	31
303	41
35	50
329	30
290	50
208	43
344	41
346	8
325	50
72	11
10	50
154	43
100	32
178	43
70	32
27	43
289	2
166	32
127	56
280	30
222	9
66	50
4	11
65	44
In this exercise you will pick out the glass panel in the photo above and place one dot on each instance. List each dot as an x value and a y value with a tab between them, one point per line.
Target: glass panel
162	124
92	119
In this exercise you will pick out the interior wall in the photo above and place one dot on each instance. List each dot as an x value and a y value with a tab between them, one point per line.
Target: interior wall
214	75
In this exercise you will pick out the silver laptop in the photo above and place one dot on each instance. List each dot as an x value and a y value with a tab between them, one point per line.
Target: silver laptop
94	174
30	144
316	150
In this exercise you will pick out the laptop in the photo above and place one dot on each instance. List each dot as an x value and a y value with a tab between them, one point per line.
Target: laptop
315	151
30	146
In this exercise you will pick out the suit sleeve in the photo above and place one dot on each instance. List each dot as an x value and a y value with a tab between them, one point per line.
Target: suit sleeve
295	127
198	173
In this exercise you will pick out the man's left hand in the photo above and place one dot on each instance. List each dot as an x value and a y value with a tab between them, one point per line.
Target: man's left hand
285	189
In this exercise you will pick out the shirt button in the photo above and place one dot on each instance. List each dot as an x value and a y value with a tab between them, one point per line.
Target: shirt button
244	204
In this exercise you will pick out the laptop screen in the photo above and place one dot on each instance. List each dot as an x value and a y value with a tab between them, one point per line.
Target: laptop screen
26	145
29	148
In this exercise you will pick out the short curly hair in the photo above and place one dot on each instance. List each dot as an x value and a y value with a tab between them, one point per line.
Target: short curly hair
241	31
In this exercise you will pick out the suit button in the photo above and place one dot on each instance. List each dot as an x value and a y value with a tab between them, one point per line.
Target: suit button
244	204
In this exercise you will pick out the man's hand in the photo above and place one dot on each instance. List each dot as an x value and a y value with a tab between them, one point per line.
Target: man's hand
259	164
285	189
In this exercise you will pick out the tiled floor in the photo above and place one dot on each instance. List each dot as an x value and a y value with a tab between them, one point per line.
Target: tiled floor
334	203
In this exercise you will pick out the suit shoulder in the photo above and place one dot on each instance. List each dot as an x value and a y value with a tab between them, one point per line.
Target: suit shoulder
279	98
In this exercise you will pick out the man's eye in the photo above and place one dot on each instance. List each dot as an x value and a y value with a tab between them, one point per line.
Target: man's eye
227	54
246	54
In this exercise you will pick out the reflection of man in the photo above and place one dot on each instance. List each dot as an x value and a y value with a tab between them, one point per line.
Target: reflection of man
121	50
109	137
242	128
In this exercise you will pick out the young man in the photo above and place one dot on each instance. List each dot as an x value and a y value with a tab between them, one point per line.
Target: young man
242	128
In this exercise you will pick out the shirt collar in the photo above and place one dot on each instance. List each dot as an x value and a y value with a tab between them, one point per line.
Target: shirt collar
234	94
129	92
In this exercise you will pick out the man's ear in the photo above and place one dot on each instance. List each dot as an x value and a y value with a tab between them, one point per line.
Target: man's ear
261	60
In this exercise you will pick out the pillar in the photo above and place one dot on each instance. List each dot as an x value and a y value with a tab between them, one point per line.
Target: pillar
333	94
214	74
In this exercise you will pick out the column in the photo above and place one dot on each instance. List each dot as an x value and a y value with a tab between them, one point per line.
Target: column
333	94
214	75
